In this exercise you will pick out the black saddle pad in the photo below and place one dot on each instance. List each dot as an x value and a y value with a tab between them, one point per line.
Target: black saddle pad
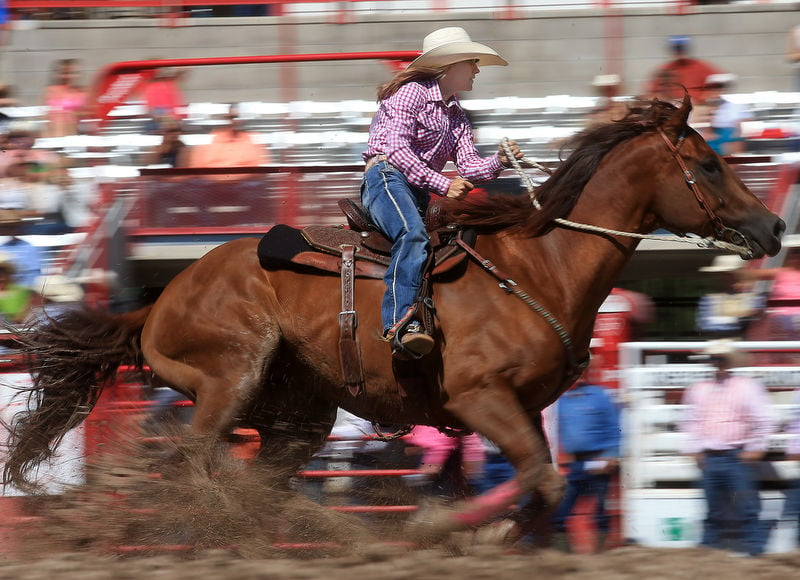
279	245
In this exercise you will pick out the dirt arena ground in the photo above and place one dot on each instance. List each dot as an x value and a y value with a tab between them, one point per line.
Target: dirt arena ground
232	525
396	564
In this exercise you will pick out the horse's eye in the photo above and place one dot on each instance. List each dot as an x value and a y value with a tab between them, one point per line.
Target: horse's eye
711	165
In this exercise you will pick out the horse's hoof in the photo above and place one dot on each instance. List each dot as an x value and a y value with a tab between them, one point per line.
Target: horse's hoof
500	533
432	523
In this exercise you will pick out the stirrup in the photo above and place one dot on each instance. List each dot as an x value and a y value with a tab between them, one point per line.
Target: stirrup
418	344
411	344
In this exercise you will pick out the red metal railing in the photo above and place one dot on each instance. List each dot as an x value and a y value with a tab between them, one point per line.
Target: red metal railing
115	83
277	7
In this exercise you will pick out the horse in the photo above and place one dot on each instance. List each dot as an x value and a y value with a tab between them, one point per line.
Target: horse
257	347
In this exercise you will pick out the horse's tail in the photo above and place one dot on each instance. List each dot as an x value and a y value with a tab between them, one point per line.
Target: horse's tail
71	358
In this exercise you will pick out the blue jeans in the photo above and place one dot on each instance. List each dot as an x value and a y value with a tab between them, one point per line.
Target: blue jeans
397	208
582	483
732	501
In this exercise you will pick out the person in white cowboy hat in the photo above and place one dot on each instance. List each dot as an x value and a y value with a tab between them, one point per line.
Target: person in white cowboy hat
727	423
728	313
418	127
725	117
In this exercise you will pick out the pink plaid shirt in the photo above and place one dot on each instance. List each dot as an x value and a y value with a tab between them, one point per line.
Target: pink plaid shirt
419	133
734	413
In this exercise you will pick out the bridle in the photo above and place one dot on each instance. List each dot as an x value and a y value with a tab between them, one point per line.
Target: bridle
738	243
721	231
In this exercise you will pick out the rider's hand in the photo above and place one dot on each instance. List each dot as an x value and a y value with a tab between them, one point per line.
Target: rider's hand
515	151
459	188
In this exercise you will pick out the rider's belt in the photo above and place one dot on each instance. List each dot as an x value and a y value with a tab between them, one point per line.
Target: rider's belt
373	160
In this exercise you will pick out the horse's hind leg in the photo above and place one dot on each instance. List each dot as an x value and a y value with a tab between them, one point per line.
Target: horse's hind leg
293	423
221	387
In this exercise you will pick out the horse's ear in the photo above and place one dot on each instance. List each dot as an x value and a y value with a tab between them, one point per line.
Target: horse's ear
680	119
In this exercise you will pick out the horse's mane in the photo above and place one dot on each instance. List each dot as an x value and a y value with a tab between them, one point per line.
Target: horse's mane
559	194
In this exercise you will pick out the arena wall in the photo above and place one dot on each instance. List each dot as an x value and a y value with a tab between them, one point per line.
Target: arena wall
551	52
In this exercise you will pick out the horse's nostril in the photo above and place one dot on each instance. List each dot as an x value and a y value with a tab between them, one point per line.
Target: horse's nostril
780	227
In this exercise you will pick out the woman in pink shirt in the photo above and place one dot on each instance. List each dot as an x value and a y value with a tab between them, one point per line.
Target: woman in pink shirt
419	126
64	99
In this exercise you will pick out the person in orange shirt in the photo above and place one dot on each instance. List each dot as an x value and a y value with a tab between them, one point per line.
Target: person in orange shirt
681	70
230	146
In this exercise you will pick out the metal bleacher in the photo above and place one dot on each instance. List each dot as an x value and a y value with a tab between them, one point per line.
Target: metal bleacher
312	133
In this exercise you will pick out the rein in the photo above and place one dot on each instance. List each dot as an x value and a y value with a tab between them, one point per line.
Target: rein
708	242
511	287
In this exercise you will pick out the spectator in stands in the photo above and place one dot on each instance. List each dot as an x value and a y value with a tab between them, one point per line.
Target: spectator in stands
16	300
419	126
15	203
231	146
590	436
45	193
450	465
718	119
19	147
728	424
7	98
28	259
793	53
163	97
172	150
65	99
663	86
683	70
728	313
609	108
32	184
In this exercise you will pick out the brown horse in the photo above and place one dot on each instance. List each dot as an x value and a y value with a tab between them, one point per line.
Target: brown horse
259	347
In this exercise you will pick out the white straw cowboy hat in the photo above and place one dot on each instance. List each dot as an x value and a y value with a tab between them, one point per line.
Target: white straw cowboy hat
451	45
722	347
726	263
720	79
58	288
725	349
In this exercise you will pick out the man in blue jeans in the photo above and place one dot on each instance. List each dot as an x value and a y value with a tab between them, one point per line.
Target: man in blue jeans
728	425
589	433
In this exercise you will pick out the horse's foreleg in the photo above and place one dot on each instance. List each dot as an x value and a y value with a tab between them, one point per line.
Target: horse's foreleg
497	414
